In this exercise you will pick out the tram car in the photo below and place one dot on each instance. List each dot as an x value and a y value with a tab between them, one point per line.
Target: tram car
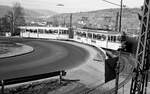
99	38
44	32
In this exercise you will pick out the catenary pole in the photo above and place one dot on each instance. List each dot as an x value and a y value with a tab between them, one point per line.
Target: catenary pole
118	63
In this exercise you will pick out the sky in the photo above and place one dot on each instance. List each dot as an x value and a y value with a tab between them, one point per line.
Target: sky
72	5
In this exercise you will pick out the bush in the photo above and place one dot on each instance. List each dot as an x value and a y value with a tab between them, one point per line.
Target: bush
131	44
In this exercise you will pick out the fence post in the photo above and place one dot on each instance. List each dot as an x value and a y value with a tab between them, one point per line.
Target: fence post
60	77
2	87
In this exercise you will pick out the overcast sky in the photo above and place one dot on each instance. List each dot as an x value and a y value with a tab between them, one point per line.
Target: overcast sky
72	5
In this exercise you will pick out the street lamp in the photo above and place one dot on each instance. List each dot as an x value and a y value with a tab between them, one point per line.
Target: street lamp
71	33
61	5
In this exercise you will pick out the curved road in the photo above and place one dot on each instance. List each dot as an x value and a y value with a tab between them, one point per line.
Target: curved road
47	56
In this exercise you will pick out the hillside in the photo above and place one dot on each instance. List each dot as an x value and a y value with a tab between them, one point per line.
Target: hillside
3	10
100	18
37	13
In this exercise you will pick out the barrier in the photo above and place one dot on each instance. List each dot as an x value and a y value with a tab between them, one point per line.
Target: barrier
31	78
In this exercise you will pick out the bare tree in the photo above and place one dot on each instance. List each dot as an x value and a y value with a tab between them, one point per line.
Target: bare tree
4	25
16	18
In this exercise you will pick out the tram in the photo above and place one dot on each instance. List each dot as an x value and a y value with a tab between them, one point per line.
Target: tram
99	38
44	32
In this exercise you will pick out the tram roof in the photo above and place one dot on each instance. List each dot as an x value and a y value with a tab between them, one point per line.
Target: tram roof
40	27
99	31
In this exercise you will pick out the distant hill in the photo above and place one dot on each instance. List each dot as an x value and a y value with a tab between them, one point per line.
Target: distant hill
39	13
28	12
99	18
4	10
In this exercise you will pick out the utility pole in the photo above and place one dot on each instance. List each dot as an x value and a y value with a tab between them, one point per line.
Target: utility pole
70	27
118	63
139	82
116	25
64	22
2	87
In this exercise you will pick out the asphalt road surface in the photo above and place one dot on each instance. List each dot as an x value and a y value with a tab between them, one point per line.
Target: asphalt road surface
48	56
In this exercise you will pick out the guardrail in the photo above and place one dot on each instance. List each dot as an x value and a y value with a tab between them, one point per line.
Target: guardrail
31	78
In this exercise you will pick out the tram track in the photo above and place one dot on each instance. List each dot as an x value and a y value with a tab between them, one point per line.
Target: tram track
128	65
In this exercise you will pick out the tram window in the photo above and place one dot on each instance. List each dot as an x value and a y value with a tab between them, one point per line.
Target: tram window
35	31
98	36
46	31
89	35
114	38
63	32
31	30
94	36
109	38
118	38
83	34
67	31
103	37
60	32
40	30
50	31
27	30
55	31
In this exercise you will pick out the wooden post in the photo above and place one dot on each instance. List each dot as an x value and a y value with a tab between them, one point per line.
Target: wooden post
60	77
116	26
2	87
118	63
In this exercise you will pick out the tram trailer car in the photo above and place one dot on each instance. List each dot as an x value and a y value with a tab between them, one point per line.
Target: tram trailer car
44	32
